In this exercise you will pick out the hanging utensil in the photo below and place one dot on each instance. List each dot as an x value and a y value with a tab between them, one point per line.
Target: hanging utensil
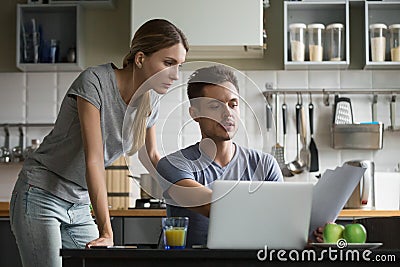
297	166
343	111
304	152
5	150
374	108
277	149
393	112
314	160
268	112
17	151
284	168
325	98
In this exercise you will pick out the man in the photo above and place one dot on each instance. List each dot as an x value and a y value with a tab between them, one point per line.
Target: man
187	175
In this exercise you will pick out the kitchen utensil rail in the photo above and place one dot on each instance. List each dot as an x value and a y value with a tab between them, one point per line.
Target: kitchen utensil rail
26	124
333	92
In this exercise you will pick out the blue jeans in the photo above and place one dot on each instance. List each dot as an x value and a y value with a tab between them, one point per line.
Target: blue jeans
43	224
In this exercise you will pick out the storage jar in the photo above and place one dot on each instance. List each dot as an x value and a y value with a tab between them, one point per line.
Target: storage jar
297	41
335	41
315	42
394	30
378	41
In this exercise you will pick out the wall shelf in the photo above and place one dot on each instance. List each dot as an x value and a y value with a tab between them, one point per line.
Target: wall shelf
86	3
325	12
61	22
380	12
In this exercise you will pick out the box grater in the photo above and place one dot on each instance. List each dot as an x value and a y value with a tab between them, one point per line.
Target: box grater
343	111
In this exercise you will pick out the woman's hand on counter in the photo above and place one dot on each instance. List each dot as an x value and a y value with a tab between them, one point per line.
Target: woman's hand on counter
101	241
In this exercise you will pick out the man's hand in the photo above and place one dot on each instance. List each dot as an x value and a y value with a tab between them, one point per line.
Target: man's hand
192	195
318	234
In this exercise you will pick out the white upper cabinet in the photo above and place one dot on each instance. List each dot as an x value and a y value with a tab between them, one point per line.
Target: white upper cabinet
214	29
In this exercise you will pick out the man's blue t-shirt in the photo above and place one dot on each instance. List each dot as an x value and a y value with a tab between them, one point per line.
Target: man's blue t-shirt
192	163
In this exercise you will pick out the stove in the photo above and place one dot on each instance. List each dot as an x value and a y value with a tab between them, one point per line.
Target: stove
149	203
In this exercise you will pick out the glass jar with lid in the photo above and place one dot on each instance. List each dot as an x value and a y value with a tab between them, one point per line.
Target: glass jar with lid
315	43
297	42
394	30
378	41
335	41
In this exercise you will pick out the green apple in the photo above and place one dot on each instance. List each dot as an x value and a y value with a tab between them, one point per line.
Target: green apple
355	233
333	232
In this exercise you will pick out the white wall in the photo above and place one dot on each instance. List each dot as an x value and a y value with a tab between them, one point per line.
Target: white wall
36	98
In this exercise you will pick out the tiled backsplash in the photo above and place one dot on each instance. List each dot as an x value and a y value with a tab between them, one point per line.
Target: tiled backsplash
36	98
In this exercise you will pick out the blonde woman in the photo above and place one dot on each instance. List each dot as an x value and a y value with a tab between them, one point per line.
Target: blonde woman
50	205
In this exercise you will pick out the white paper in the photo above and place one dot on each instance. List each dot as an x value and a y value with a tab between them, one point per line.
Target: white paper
331	193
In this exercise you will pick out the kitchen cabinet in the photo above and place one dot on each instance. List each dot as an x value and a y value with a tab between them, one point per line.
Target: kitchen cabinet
328	12
8	246
127	230
324	12
86	3
137	230
214	29
37	25
380	12
142	231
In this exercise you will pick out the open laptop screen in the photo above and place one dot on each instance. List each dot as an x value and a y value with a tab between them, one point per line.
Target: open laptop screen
252	215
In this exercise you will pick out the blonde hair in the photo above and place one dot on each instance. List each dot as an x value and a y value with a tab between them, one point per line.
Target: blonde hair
139	125
151	37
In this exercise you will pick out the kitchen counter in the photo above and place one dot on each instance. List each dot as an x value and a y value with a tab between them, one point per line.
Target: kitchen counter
4	209
220	258
346	213
139	213
358	213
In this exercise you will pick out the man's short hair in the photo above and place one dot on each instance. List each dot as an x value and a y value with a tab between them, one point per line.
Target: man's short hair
214	75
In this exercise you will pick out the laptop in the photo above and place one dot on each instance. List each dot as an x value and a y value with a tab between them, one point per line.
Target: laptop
252	215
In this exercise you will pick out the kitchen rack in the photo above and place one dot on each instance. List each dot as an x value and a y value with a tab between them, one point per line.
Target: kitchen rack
268	94
26	124
350	136
332	91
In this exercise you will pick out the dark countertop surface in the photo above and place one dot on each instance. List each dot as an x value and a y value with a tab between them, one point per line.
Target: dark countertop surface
346	213
206	257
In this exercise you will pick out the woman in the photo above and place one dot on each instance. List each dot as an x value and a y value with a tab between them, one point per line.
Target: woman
50	205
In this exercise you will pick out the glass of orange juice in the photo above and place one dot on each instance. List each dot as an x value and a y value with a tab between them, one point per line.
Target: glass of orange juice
175	229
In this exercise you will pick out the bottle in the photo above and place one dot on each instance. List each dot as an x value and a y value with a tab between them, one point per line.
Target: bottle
30	149
71	55
395	42
378	41
315	45
335	41
297	44
54	48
